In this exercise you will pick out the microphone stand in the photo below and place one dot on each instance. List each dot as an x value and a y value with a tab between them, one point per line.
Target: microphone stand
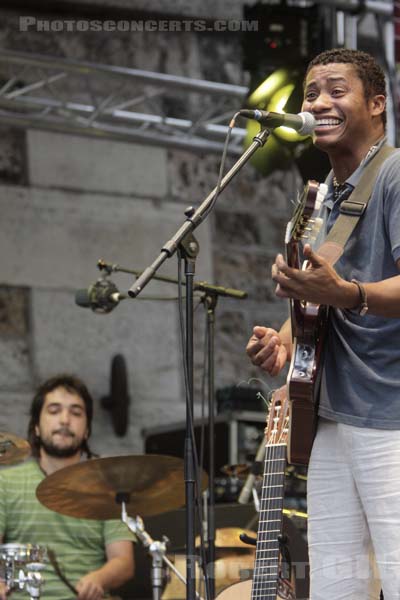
210	301
189	248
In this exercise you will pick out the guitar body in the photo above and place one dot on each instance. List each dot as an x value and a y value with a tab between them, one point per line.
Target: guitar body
309	323
303	382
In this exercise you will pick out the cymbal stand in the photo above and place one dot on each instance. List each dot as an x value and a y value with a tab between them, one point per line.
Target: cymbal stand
157	551
256	499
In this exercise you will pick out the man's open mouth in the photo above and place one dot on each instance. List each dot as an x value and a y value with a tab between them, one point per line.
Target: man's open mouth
328	123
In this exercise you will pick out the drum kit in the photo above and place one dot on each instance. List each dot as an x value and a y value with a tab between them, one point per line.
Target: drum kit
20	564
112	488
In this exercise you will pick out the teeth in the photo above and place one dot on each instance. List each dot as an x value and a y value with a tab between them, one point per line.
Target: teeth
328	122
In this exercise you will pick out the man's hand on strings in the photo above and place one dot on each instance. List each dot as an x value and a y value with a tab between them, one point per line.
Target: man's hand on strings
318	283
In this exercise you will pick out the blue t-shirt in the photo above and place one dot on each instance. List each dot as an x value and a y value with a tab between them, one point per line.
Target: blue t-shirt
361	376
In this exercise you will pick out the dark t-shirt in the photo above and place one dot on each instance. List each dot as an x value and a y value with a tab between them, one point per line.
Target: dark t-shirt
361	376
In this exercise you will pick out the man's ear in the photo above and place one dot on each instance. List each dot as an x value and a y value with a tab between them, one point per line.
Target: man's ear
378	104
37	430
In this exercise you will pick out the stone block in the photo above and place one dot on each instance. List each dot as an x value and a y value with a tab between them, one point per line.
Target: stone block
14	311
145	332
14	415
249	271
15	364
12	155
53	239
207	9
237	229
68	338
87	164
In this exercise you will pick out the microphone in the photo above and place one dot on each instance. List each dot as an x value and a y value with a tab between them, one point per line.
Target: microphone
102	297
304	122
255	470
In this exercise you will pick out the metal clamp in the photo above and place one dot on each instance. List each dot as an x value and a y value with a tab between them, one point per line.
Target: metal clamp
352	208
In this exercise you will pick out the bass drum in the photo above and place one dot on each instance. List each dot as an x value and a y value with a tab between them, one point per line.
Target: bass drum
228	570
300	568
237	591
242	591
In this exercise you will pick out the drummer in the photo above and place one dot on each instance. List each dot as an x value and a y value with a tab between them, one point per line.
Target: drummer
93	556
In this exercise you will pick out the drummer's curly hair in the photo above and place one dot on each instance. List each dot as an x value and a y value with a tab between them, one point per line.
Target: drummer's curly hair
73	385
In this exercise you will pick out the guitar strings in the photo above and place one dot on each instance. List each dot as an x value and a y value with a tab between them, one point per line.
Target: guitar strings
265	579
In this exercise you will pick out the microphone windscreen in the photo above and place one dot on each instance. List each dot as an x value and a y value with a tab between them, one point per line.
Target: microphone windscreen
82	298
309	123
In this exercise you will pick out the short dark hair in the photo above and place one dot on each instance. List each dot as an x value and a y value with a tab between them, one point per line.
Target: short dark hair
72	384
368	70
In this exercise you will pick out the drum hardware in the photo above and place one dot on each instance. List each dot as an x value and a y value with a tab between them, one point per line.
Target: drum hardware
33	579
109	488
240	471
13	449
29	560
291	512
228	540
293	471
234	562
248	539
157	550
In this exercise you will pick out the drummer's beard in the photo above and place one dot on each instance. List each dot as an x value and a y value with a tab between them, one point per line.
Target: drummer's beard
57	451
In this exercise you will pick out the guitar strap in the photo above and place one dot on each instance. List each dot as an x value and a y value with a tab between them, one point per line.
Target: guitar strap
352	209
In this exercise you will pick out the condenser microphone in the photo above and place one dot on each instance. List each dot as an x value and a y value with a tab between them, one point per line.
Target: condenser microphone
102	297
304	122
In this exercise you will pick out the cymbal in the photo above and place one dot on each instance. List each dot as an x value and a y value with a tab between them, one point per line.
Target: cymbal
149	484
13	449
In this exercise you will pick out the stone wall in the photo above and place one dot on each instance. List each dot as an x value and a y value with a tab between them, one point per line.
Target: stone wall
67	201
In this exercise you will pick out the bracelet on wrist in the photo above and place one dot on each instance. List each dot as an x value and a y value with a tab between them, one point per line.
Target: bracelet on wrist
362	306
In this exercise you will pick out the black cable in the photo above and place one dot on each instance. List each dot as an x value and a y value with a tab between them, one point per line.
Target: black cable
221	169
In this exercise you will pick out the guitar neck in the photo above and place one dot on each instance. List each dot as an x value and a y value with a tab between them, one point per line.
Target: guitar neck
266	568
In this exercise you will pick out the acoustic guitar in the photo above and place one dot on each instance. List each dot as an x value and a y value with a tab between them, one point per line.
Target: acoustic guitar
268	582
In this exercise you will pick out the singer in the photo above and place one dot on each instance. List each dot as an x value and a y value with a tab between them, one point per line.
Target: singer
354	470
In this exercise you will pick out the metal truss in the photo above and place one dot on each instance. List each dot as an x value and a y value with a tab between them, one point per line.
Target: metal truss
101	100
104	101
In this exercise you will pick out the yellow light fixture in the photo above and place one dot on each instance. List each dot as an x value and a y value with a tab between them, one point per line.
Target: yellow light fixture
281	92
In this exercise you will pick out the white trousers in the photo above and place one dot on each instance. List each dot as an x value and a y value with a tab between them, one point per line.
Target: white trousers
354	513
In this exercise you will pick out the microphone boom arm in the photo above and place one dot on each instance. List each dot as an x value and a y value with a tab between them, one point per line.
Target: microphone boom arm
195	219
